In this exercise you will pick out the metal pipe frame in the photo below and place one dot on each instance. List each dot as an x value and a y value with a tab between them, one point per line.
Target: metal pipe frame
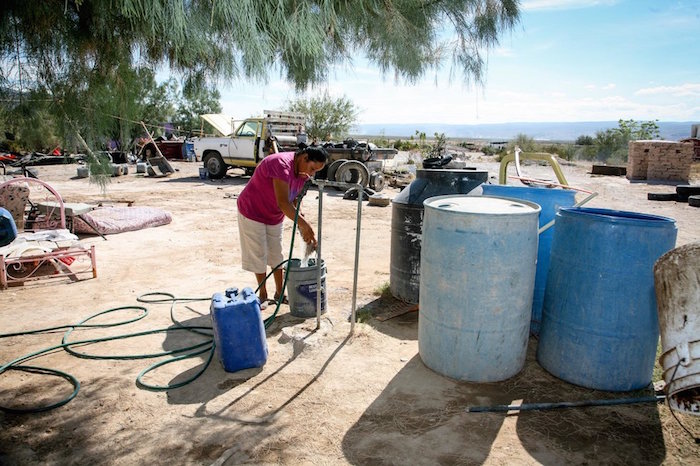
360	191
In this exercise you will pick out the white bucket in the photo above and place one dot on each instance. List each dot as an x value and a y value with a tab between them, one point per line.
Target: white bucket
677	284
302	283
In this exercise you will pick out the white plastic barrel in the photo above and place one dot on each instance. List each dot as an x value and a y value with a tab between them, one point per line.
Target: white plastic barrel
677	284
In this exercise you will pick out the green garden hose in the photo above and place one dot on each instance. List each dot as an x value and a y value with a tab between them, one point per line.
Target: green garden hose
178	354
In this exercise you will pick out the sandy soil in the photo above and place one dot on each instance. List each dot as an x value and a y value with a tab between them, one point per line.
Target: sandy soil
325	396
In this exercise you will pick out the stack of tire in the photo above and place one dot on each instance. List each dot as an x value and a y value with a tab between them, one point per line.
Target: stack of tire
684	193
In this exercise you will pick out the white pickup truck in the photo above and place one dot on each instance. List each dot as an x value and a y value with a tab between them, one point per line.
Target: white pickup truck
245	143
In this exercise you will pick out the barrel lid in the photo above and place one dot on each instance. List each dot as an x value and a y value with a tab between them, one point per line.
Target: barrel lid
481	205
440	182
618	216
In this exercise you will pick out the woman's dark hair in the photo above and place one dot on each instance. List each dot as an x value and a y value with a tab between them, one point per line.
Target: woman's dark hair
315	153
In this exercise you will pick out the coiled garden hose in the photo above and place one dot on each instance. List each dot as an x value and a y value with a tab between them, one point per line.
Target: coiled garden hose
178	354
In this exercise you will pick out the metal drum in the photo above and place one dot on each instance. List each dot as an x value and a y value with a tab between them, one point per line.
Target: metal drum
407	223
550	200
476	283
600	327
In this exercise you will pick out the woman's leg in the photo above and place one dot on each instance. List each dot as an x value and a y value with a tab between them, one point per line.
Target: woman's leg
278	274
274	255
253	240
262	289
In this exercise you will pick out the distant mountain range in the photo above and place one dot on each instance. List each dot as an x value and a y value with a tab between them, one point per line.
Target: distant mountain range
670	130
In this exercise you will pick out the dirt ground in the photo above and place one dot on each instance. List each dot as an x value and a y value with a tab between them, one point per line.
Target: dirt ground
325	396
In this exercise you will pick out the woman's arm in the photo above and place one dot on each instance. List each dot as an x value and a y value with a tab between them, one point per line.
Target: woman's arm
289	210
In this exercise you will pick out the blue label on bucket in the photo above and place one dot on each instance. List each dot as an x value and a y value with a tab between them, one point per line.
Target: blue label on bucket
309	292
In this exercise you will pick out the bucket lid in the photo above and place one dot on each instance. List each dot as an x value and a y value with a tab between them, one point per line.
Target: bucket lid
482	205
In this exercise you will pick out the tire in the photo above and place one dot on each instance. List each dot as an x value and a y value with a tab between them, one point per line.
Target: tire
215	166
694	201
353	171
686	190
363	154
376	181
332	168
662	196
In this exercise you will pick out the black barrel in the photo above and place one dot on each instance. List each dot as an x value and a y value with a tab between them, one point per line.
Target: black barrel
407	223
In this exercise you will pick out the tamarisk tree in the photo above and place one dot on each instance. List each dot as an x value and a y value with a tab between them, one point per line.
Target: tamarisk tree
79	52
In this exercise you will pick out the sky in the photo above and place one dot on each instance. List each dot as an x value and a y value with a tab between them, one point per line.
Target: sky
566	61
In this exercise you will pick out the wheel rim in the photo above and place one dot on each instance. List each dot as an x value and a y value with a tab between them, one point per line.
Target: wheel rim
213	165
353	171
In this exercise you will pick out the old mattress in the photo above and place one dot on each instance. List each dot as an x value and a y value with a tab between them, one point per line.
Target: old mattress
109	220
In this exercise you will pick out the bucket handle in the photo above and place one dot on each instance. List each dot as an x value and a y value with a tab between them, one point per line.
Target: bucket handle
550	224
683	351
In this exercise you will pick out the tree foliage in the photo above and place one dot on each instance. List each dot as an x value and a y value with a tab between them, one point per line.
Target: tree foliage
193	102
525	142
326	117
69	47
612	144
584	140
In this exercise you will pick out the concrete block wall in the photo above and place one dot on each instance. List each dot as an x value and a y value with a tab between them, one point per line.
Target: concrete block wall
637	161
661	160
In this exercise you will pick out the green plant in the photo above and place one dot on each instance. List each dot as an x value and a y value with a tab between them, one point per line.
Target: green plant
525	142
363	314
612	144
326	117
383	291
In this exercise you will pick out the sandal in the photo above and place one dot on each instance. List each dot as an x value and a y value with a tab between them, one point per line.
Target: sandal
274	301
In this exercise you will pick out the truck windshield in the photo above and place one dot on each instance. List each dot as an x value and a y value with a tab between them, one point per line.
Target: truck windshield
248	129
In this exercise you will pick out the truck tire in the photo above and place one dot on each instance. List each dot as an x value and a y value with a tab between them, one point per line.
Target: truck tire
662	196
333	168
686	190
215	166
353	171
376	181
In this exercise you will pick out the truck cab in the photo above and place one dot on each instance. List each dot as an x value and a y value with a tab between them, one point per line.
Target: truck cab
248	142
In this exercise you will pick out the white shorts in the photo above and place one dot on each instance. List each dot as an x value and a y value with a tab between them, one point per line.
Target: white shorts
261	244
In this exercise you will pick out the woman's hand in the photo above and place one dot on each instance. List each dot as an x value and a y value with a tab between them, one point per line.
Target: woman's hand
307	233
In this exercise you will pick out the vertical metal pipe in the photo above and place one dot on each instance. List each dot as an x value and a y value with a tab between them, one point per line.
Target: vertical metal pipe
319	291
360	194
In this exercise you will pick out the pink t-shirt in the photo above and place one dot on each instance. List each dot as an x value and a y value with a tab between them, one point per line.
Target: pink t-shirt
257	200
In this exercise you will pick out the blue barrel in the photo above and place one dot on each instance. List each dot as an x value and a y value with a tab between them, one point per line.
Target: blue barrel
600	327
477	276
550	200
189	154
8	229
239	332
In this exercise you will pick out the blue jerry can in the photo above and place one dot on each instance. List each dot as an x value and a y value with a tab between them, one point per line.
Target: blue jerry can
239	332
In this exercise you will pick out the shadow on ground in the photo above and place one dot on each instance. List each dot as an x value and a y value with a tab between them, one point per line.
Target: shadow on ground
214	380
391	316
421	418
